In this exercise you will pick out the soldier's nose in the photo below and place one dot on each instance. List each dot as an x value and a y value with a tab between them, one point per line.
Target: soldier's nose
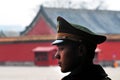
57	55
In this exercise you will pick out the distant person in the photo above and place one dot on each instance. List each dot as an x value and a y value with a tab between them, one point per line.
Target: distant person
76	49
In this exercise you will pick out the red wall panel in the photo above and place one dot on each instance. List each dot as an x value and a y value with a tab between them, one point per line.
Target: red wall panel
23	51
110	50
19	51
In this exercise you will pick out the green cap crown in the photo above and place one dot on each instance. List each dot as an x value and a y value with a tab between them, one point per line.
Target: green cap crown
76	32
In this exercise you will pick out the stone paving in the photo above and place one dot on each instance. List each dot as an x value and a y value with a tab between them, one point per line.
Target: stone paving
43	73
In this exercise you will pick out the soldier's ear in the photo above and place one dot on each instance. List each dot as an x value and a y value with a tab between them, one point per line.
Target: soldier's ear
81	49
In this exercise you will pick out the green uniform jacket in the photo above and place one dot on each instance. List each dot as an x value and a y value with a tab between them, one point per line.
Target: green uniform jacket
92	72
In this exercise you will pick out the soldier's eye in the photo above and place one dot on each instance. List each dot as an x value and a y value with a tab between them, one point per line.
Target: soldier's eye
61	48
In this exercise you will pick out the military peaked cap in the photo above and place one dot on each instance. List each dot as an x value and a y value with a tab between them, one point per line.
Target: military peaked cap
74	32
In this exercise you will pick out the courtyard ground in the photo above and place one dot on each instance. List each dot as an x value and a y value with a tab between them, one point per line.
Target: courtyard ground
43	73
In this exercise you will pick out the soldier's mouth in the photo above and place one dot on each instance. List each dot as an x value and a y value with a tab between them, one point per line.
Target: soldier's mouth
59	63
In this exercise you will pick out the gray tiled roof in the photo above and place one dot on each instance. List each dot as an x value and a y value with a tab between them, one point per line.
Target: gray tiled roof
9	33
99	21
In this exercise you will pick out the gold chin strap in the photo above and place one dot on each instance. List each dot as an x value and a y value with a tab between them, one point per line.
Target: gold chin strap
69	36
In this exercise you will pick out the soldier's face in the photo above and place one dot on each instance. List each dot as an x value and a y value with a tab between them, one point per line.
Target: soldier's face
67	57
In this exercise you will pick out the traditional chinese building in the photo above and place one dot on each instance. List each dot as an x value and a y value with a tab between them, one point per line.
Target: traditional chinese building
44	24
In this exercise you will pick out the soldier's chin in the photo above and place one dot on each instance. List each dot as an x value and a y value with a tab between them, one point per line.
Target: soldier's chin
64	70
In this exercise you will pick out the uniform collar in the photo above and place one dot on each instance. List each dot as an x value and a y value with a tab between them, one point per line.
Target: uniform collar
91	71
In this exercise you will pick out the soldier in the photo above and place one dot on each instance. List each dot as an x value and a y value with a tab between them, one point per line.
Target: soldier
76	49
